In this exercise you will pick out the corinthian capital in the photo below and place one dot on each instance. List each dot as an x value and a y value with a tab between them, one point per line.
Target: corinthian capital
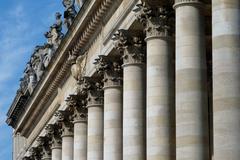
44	143
93	89
110	69
54	132
130	45
65	120
26	158
77	104
156	20
35	153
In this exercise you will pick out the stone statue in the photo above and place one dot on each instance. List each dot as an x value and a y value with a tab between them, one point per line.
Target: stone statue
70	12
24	82
48	35
48	53
37	61
54	37
30	77
56	31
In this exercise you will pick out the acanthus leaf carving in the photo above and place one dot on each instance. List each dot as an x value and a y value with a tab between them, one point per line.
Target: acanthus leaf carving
64	118
156	20
130	45
110	69
44	144
35	153
93	89
77	103
54	132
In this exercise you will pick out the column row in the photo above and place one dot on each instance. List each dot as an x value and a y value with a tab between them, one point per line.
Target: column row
132	110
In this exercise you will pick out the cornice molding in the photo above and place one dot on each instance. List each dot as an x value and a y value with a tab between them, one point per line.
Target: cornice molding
61	68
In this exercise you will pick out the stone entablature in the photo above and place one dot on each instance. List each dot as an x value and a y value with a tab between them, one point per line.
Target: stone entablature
90	6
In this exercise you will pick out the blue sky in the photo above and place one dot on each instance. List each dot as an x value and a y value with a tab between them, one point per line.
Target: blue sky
22	24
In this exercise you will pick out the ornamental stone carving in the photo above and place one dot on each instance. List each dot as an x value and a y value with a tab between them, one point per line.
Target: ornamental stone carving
37	61
93	89
64	119
156	21
54	132
130	45
35	153
77	103
26	158
42	56
44	143
30	77
56	31
70	12
110	69
77	65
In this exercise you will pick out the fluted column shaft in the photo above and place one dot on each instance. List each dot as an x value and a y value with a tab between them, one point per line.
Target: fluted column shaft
226	78
191	93
80	140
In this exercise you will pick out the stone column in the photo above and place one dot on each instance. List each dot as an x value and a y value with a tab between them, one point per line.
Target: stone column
67	134
192	129
53	131
56	152
95	118
133	95
159	44
78	105
226	78
112	78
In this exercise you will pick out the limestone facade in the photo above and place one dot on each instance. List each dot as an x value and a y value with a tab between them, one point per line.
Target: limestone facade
133	80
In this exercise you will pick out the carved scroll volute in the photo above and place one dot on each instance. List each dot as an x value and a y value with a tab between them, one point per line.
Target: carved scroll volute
85	84
130	45
54	132
35	153
26	158
110	69
44	143
64	119
158	21
93	89
77	104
